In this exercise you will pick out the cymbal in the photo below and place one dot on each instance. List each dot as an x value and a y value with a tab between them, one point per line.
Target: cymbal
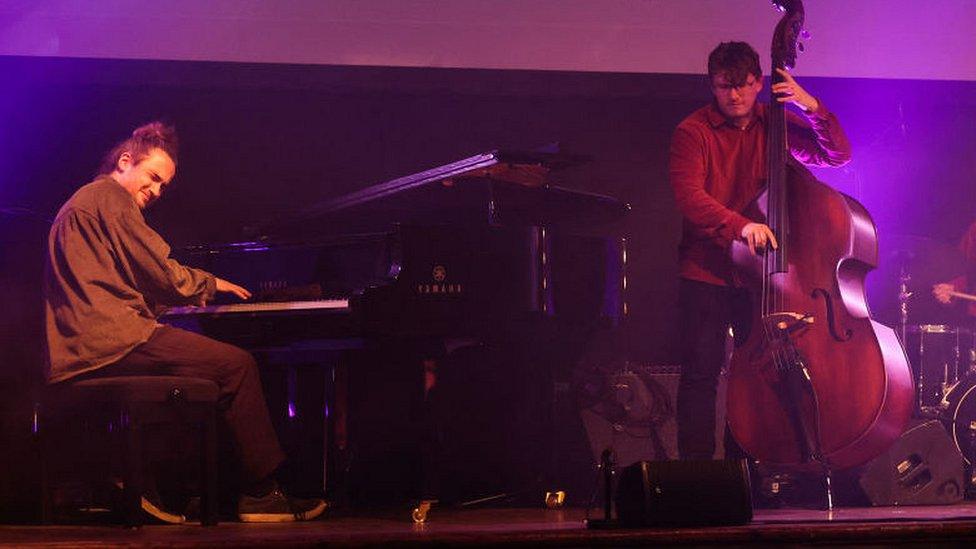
924	257
927	261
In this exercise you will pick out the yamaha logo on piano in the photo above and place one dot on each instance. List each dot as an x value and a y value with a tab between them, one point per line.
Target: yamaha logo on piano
439	286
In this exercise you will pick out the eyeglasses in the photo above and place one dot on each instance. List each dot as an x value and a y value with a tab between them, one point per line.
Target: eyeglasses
726	87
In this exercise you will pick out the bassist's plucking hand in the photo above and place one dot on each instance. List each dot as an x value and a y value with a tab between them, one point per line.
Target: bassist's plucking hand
758	236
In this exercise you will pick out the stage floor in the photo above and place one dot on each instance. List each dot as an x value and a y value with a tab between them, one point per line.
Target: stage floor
879	526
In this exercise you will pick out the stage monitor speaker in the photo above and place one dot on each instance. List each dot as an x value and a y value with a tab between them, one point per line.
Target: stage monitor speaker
684	493
923	467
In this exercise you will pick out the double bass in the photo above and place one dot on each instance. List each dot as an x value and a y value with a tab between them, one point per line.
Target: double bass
816	385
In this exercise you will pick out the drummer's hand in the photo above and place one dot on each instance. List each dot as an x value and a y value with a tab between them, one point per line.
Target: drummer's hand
943	292
758	236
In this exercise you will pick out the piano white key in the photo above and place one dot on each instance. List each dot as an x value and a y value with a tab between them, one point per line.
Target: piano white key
265	307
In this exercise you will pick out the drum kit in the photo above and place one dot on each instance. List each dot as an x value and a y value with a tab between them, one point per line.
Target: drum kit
943	361
942	356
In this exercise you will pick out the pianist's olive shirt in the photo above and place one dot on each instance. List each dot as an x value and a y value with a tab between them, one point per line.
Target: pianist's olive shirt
107	272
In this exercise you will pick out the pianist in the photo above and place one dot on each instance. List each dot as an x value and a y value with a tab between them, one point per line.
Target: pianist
107	275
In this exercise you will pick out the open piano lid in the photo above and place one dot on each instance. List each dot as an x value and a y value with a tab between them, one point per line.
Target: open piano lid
496	188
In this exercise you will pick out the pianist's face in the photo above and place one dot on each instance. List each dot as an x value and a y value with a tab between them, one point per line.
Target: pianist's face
145	179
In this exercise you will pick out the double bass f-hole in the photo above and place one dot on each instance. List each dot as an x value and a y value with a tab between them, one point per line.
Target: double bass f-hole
831	318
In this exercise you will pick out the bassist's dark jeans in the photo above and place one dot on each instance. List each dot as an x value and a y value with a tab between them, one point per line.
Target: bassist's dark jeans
706	312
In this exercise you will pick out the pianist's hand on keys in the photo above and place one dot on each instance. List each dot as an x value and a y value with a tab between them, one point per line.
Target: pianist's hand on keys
224	286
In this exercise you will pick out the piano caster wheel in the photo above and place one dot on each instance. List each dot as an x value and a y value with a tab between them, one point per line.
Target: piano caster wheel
419	514
555	500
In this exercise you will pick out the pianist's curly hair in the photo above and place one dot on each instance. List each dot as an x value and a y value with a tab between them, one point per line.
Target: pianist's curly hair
145	138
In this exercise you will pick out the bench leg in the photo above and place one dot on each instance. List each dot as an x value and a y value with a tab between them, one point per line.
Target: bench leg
132	488
208	469
42	452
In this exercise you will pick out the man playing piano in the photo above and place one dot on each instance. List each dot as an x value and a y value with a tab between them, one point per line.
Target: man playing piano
108	274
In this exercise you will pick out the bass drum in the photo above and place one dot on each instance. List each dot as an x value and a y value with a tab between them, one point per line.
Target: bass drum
960	407
939	355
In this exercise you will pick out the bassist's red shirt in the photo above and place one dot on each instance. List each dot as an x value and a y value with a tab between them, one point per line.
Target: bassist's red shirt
717	169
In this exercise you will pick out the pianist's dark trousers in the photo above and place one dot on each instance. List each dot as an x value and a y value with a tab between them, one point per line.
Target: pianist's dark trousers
174	352
706	312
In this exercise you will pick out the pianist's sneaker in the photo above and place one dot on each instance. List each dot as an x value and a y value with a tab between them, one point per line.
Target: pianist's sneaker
277	507
152	506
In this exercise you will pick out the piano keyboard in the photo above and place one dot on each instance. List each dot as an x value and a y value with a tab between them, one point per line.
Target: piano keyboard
264	307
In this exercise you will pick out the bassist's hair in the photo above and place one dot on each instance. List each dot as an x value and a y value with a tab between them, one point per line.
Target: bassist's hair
737	60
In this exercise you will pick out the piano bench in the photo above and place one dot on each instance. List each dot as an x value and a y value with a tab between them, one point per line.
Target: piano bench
119	408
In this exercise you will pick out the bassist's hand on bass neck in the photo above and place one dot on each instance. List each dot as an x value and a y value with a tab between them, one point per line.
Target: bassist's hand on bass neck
789	91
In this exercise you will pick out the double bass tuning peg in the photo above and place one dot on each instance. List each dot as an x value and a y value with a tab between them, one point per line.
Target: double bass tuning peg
804	35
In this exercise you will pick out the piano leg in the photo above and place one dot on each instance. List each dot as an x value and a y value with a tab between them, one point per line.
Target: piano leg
306	391
335	452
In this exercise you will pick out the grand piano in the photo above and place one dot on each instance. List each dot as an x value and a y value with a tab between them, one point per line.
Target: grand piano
481	249
469	248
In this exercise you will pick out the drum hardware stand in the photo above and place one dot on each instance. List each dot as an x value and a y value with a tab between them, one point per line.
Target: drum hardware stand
970	490
945	385
903	296
920	385
958	356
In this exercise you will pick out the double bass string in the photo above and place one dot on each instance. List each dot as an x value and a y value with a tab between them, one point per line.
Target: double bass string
770	299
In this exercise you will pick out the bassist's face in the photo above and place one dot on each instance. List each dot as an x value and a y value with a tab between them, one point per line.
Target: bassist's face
736	101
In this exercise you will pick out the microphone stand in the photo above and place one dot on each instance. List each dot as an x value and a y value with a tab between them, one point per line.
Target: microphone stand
607	470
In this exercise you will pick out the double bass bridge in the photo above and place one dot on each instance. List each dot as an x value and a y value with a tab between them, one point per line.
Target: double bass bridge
778	353
789	322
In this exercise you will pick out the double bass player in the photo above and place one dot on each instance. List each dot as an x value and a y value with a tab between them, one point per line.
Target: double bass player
717	167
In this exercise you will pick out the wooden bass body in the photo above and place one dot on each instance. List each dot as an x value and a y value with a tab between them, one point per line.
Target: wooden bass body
858	393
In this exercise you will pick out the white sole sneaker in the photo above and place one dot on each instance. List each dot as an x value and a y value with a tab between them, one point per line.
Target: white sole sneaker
154	510
310	514
266	517
314	512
